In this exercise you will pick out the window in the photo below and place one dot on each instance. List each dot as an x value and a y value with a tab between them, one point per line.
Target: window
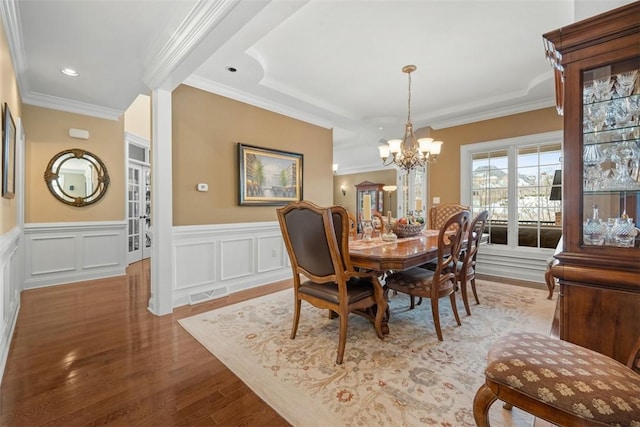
513	179
412	192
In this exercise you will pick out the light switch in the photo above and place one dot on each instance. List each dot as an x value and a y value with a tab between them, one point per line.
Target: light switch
436	200
203	187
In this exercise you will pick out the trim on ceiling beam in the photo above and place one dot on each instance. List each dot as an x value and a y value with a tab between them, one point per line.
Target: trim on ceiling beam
13	31
204	16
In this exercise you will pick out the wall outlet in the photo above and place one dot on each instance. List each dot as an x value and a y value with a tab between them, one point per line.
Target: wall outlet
436	200
203	187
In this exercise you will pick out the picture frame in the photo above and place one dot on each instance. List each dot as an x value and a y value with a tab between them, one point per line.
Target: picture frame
268	177
8	154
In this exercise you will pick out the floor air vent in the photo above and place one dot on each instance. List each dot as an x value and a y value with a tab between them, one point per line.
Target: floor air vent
208	295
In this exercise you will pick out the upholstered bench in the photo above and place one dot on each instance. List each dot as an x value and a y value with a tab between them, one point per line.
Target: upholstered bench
560	382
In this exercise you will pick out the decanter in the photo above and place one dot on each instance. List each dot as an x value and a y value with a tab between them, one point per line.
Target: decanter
594	231
624	231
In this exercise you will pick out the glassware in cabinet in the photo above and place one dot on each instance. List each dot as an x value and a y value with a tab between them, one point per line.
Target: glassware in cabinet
611	154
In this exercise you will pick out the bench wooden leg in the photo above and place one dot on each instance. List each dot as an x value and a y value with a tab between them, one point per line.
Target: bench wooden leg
481	403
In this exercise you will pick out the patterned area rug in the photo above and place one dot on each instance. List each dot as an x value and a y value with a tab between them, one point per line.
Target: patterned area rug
409	378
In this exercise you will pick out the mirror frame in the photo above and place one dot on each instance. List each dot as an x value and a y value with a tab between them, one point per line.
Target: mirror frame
51	176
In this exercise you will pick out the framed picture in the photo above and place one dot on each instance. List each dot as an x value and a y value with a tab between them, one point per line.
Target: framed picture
269	177
8	154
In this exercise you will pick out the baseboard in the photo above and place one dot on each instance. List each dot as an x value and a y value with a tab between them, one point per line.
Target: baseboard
7	338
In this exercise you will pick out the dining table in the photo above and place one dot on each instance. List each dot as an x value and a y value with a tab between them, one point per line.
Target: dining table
379	255
382	256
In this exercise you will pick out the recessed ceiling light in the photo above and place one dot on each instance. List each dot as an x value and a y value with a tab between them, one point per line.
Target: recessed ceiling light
69	72
231	69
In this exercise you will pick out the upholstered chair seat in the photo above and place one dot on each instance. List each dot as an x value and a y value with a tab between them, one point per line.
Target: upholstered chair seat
559	381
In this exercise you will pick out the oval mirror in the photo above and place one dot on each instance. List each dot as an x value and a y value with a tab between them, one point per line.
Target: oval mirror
76	177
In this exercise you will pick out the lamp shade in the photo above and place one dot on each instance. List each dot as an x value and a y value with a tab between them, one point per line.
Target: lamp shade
436	146
394	145
384	151
425	144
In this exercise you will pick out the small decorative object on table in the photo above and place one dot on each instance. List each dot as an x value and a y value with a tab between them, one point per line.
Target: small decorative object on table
389	236
406	228
367	230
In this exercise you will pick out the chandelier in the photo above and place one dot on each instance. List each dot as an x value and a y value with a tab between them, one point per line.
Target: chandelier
409	152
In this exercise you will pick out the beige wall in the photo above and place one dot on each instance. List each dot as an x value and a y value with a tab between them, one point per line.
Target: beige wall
206	130
444	176
386	177
8	93
47	133
137	118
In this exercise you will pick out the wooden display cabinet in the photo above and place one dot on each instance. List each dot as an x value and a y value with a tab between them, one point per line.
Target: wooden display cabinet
597	68
376	193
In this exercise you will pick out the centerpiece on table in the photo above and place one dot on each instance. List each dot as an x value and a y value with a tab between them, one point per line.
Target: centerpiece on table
407	226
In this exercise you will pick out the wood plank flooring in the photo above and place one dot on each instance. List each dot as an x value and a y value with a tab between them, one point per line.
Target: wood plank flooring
92	354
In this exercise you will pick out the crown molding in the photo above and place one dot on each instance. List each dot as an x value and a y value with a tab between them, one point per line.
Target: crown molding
63	104
229	92
464	119
204	16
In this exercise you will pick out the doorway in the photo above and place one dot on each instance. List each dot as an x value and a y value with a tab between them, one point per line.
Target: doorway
139	237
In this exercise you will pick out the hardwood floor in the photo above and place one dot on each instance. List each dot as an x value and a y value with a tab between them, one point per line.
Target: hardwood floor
91	354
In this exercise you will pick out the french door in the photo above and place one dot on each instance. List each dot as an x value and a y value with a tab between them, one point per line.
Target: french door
138	212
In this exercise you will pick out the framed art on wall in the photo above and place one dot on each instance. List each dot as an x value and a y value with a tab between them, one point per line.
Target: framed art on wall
268	177
8	154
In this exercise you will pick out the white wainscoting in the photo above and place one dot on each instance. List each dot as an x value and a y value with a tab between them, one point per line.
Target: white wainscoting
527	264
214	260
73	252
10	269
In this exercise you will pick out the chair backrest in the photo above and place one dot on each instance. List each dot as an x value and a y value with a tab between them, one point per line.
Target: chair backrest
474	235
440	213
378	221
317	240
450	240
342	228
353	225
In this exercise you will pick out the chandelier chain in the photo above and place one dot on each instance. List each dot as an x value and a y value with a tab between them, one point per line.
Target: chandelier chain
409	101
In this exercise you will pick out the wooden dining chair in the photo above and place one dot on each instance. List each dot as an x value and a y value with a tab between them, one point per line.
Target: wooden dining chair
353	225
378	222
440	283
438	214
466	266
317	240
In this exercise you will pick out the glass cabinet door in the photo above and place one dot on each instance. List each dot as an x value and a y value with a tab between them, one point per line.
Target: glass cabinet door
611	155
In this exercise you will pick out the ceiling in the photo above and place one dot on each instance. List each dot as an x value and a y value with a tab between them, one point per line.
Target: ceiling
336	63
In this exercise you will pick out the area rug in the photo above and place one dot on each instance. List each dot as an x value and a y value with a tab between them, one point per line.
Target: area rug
409	378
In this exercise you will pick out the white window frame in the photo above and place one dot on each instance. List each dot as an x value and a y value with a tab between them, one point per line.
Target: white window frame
510	260
410	192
